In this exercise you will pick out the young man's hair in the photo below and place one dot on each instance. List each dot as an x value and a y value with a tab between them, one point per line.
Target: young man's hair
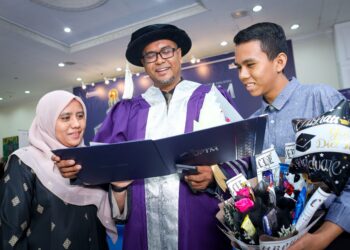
271	36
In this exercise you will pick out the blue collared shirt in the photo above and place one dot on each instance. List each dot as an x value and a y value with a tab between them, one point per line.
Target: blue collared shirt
304	101
295	101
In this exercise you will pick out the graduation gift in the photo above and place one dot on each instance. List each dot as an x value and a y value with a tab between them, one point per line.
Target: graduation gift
271	212
322	148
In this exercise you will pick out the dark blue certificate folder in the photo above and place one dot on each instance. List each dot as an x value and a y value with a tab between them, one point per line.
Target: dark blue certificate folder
149	158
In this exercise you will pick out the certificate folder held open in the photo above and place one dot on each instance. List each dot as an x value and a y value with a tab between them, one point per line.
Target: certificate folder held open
150	158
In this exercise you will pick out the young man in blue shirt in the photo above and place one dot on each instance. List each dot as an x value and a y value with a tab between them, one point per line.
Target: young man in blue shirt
261	56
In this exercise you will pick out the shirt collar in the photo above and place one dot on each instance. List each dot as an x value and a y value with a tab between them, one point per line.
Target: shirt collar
283	97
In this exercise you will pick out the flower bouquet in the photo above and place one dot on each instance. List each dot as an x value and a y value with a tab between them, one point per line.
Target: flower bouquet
270	213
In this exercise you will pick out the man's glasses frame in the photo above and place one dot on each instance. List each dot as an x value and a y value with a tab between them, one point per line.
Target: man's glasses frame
165	53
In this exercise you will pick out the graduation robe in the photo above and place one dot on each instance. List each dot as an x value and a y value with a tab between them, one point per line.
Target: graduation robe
157	219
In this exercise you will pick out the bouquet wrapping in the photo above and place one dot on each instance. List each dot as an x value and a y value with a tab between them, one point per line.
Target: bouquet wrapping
272	211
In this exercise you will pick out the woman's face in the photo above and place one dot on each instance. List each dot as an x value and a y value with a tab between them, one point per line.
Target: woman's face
70	124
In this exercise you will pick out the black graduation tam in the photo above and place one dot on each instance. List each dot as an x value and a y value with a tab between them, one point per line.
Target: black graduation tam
148	34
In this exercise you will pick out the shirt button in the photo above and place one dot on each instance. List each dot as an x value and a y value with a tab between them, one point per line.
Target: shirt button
272	121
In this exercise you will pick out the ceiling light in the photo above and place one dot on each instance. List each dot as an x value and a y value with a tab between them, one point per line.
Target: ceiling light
79	79
257	8
109	79
92	84
67	29
294	26
83	86
198	60
1	99
223	43
193	60
239	13
27	92
118	69
61	64
137	74
69	5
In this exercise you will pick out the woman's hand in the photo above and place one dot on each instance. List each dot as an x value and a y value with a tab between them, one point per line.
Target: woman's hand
67	168
121	184
119	189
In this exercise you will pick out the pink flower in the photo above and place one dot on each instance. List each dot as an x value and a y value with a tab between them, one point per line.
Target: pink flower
244	204
243	192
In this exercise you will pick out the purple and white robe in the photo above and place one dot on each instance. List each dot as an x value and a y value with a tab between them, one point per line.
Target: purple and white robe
164	213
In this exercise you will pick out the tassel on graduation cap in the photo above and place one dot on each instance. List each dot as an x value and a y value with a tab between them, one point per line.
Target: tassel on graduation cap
128	84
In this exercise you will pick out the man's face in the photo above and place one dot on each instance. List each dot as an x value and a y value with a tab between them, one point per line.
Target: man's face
165	73
255	70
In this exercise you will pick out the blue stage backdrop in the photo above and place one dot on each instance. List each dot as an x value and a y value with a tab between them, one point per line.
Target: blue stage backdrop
219	70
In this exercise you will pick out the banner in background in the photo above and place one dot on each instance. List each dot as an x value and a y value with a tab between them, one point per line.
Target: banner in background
219	70
9	145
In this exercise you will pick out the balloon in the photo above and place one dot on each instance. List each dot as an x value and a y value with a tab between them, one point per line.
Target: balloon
323	147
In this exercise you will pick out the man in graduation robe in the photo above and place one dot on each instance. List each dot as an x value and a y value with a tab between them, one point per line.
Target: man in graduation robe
168	212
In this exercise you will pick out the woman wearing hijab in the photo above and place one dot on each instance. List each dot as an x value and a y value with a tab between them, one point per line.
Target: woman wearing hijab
39	209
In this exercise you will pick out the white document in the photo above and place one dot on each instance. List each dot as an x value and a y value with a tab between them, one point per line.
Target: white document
216	110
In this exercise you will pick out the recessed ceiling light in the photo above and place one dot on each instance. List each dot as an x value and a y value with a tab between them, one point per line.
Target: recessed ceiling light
294	26
61	64
27	92
223	43
137	74
239	13
92	84
257	8
118	69
1	99
67	29
79	79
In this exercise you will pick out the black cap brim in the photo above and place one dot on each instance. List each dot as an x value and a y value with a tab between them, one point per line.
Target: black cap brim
135	48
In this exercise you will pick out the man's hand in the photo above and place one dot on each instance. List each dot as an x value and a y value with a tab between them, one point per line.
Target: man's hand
67	168
201	180
304	242
320	239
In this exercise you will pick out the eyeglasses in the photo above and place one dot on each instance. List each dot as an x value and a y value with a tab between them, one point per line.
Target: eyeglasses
165	53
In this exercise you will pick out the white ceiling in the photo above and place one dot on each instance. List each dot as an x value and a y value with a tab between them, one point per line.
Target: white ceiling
32	40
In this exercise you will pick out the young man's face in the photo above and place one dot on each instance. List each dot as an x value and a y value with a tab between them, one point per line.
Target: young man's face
255	70
165	73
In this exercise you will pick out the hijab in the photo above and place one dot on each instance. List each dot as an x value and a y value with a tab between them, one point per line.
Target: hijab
38	154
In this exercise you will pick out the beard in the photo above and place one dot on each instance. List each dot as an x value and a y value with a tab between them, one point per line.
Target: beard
165	82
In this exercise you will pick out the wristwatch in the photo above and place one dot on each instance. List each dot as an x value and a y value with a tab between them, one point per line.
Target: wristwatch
119	189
